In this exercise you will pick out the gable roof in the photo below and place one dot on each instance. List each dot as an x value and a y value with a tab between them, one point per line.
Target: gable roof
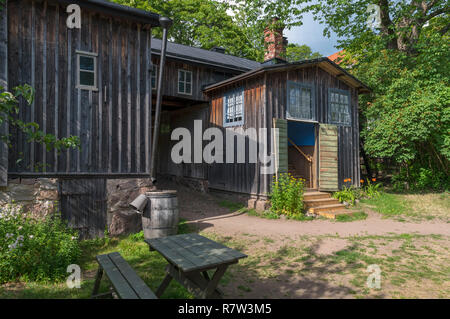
335	57
117	10
324	63
206	57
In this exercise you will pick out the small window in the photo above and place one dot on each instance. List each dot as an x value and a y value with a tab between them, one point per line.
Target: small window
339	107
300	101
154	76
184	82
233	108
87	70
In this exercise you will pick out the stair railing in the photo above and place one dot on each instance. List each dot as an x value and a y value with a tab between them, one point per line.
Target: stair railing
309	158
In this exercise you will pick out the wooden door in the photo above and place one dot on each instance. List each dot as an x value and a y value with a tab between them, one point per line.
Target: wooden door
280	145
83	204
328	157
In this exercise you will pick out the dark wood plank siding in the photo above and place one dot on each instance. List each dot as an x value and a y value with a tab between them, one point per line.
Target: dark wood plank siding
3	84
201	76
108	120
241	177
265	99
348	136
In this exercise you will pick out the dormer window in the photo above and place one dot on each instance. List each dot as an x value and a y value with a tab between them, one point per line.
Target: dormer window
184	82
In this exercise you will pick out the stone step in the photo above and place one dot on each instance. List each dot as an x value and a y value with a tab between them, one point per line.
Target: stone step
320	202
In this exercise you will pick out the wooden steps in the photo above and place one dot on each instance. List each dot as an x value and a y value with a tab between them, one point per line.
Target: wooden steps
322	204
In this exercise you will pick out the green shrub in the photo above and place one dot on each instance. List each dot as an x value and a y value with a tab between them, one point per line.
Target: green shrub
371	190
35	249
347	194
350	194
420	178
287	195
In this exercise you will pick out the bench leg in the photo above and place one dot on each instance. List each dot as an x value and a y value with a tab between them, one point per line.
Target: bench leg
98	278
162	287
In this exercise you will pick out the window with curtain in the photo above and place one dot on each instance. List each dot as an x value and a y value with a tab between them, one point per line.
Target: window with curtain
339	107
233	108
300	101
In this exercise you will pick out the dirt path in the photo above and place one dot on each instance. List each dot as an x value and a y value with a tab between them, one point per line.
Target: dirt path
323	258
204	212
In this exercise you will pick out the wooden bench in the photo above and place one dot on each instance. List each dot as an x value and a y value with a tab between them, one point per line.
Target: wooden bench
124	280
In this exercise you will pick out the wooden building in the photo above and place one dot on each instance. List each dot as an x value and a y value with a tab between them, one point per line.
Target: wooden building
312	103
99	81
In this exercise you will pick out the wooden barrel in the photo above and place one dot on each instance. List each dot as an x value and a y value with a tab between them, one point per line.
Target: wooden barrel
160	217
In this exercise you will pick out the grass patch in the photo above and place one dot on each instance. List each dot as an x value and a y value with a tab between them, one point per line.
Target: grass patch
387	204
351	217
149	265
265	214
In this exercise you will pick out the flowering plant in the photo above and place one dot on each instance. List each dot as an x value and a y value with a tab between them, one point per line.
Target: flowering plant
287	195
35	248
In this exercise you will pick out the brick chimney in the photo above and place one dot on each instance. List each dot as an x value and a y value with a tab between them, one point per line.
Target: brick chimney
274	43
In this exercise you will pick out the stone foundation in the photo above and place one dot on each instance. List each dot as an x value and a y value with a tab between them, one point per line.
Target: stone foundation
36	195
121	218
40	197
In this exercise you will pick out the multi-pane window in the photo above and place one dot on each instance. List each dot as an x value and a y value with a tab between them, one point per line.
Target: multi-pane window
184	82
87	70
300	104
339	107
233	107
154	76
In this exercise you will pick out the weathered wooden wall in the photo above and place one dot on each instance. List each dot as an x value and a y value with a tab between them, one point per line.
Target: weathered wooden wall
3	84
183	118
113	123
265	99
241	177
83	203
348	136
201	76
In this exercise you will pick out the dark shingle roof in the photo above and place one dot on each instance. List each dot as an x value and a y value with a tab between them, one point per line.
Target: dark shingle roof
197	55
323	62
108	7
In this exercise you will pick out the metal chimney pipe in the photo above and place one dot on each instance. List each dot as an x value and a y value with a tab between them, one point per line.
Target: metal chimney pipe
165	24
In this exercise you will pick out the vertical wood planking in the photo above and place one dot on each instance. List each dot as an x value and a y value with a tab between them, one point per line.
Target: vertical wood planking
4	85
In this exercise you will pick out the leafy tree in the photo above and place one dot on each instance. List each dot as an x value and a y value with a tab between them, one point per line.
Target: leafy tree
9	109
297	52
202	23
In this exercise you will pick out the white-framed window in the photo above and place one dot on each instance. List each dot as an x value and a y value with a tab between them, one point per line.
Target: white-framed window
184	82
339	107
233	108
86	70
300	101
154	76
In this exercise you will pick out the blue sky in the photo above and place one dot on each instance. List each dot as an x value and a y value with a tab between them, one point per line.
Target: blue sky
311	34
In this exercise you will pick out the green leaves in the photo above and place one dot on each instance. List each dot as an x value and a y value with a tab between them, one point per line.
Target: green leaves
286	197
9	109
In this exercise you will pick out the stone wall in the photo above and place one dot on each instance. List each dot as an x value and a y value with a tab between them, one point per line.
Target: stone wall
121	218
38	195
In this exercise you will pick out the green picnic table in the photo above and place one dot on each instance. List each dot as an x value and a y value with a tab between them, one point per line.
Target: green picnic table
189	257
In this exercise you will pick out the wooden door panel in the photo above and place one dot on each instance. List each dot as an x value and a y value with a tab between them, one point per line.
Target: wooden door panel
328	157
